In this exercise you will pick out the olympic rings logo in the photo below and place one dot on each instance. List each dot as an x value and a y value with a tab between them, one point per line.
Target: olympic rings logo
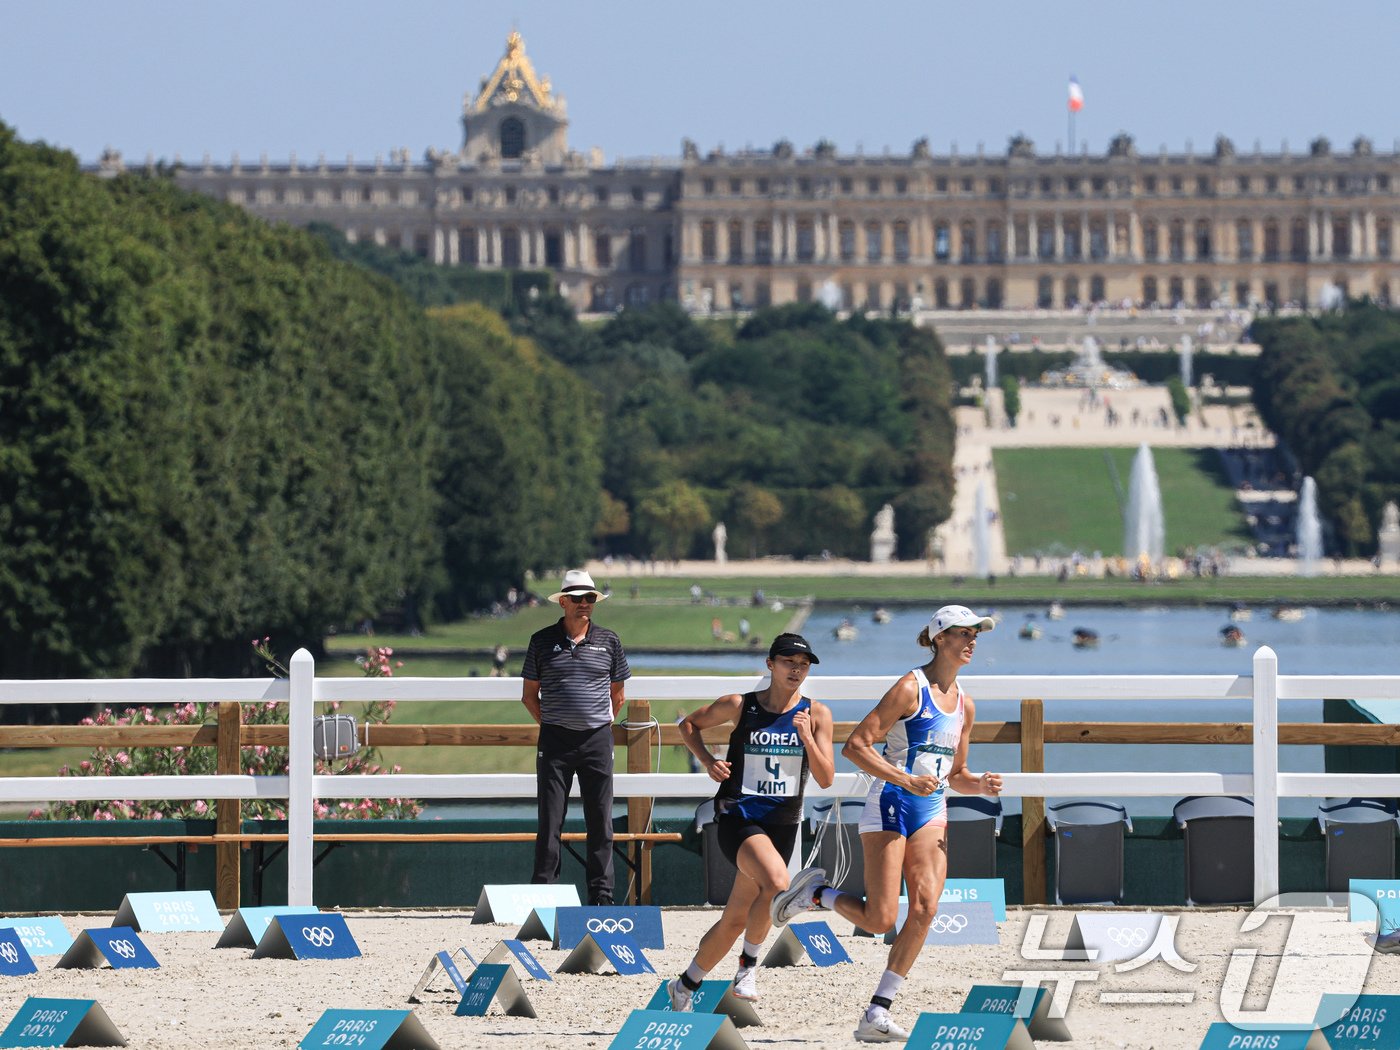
8	953
319	936
821	943
1129	937
124	948
954	923
623	925
624	953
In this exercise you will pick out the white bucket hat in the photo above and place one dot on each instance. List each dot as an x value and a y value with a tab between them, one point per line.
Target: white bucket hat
958	616
577	581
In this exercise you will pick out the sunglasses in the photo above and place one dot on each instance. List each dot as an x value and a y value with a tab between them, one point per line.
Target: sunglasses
579	599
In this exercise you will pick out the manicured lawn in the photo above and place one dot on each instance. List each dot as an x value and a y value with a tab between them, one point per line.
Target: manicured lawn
1057	500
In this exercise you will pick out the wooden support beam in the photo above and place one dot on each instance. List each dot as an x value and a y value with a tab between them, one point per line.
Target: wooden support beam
228	812
641	742
1033	808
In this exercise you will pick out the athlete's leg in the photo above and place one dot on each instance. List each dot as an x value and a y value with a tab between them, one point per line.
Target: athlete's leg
762	873
925	869
884	863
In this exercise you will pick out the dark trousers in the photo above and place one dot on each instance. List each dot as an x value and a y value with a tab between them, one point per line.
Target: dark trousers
562	754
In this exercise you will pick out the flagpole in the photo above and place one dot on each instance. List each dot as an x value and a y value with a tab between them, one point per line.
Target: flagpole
1071	132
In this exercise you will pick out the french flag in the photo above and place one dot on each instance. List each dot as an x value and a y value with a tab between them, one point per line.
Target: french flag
1076	96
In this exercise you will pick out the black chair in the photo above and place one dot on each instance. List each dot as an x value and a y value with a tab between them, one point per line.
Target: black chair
1360	838
1219	834
1088	851
974	825
719	873
840	842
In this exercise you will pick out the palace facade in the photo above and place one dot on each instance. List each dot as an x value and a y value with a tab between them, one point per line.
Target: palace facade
728	231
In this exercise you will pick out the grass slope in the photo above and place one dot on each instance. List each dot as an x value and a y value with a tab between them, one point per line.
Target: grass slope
1057	500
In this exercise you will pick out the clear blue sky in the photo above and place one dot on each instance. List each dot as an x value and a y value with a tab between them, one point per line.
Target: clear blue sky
350	76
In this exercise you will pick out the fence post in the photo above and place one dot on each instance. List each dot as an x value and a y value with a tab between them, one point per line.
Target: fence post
1033	809
228	812
301	766
1265	749
639	745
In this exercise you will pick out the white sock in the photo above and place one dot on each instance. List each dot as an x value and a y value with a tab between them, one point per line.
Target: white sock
751	949
695	973
828	898
890	984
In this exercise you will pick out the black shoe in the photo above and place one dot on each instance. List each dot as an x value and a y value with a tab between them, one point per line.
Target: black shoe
601	901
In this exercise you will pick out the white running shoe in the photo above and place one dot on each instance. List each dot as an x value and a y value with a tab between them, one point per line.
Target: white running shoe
1386	943
746	984
680	996
877	1026
797	898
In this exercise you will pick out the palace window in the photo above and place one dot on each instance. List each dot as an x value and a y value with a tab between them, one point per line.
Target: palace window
901	242
1149	290
874	242
1271	183
602	251
1176	291
940	293
1382	182
736	187
993	186
1271	241
1149	184
968	291
1341	239
1203	185
1244	240
967	185
637	250
510	194
553	249
512	138
1204	293
707	187
994	293
940	184
1047	186
510	248
554	195
762	186
1096	288
1203	244
1383	238
967	233
847	185
639	194
1071	185
1177	184
736	242
901	186
806	242
1242	183
1045	292
708	241
872	186
1150	247
1176	240
600	194
847	234
1298	240
762	242
942	240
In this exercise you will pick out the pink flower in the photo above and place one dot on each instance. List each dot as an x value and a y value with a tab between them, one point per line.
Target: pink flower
85	765
123	758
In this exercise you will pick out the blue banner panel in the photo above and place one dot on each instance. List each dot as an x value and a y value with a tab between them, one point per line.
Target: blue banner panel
642	924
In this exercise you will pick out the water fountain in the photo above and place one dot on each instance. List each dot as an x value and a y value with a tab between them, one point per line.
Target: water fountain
991	351
1309	529
981	534
1144	529
1089	370
1186	350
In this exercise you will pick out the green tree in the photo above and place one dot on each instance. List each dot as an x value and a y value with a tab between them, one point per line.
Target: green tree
1180	399
670	517
756	510
1011	397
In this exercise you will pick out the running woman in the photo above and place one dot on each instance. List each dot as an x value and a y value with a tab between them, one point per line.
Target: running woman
779	735
926	721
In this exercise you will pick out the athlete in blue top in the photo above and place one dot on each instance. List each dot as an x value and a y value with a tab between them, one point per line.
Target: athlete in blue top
778	736
926	721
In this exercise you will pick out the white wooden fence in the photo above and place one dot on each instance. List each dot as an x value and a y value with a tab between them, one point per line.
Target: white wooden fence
303	690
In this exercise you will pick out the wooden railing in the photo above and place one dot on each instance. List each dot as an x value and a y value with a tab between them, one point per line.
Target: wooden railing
640	734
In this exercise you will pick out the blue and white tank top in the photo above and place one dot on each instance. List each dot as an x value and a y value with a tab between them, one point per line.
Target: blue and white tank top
767	765
925	742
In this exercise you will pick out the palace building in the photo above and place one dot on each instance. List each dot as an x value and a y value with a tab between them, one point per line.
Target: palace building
722	231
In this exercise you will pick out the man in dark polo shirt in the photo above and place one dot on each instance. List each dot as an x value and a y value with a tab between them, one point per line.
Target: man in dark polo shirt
574	673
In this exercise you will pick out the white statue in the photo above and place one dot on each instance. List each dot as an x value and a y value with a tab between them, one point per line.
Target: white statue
720	536
1389	535
882	538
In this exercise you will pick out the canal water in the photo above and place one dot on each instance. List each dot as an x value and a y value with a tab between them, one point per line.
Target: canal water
1131	641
